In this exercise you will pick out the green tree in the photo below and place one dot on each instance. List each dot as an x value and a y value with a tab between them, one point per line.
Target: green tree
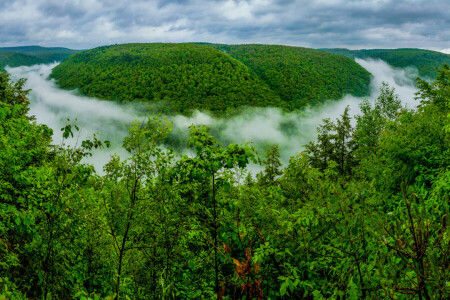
373	120
207	168
272	165
334	143
126	184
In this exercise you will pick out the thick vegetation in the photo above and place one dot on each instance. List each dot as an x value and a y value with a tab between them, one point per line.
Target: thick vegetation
15	59
189	76
302	76
182	77
362	213
426	61
31	55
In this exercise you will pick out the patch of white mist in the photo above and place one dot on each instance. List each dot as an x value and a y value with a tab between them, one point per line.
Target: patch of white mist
291	131
53	106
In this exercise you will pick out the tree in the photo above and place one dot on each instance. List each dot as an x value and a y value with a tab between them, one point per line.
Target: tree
207	168
374	119
334	143
126	183
13	93
272	166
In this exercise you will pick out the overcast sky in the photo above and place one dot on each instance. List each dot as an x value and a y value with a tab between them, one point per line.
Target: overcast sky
354	24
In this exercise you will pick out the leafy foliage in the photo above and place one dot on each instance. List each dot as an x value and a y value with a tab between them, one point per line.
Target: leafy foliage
362	213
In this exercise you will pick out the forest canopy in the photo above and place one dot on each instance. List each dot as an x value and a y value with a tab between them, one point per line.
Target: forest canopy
302	76
217	78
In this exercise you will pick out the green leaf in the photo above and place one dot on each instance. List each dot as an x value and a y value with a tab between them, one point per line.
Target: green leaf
288	251
283	288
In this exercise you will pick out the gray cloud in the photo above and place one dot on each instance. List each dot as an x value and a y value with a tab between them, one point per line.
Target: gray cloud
320	23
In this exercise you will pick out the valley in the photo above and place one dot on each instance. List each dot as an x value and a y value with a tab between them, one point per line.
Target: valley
262	126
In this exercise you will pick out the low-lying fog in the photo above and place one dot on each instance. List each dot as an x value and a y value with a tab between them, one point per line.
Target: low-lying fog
262	126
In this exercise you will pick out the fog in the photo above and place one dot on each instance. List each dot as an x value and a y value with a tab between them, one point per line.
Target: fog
262	126
53	106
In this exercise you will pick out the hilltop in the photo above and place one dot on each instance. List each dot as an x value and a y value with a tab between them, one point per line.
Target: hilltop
211	77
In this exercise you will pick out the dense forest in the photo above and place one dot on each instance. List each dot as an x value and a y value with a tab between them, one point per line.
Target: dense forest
183	77
426	61
361	213
16	59
179	77
302	76
32	55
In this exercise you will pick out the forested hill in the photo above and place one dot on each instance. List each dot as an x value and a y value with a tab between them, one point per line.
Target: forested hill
31	55
181	76
212	77
426	61
301	75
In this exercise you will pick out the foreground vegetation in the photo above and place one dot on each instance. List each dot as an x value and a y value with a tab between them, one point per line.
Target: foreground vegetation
183	77
426	61
362	213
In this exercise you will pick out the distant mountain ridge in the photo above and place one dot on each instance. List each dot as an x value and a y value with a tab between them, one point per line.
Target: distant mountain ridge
212	77
426	61
31	55
33	48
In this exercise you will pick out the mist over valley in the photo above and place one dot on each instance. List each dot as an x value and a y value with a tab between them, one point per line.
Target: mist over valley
262	126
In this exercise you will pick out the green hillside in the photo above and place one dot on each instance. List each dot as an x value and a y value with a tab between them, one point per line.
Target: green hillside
198	76
31	55
426	61
302	76
182	76
16	59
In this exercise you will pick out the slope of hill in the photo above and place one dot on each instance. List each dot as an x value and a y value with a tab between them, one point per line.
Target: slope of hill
426	61
302	76
212	77
181	76
31	55
16	59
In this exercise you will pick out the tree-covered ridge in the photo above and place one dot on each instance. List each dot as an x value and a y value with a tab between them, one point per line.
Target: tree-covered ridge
363	213
31	55
183	77
426	61
302	76
192	76
15	59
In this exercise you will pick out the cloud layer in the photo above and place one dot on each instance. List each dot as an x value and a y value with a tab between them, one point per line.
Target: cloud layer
321	23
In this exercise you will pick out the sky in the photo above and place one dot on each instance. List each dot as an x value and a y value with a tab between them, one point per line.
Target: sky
353	24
